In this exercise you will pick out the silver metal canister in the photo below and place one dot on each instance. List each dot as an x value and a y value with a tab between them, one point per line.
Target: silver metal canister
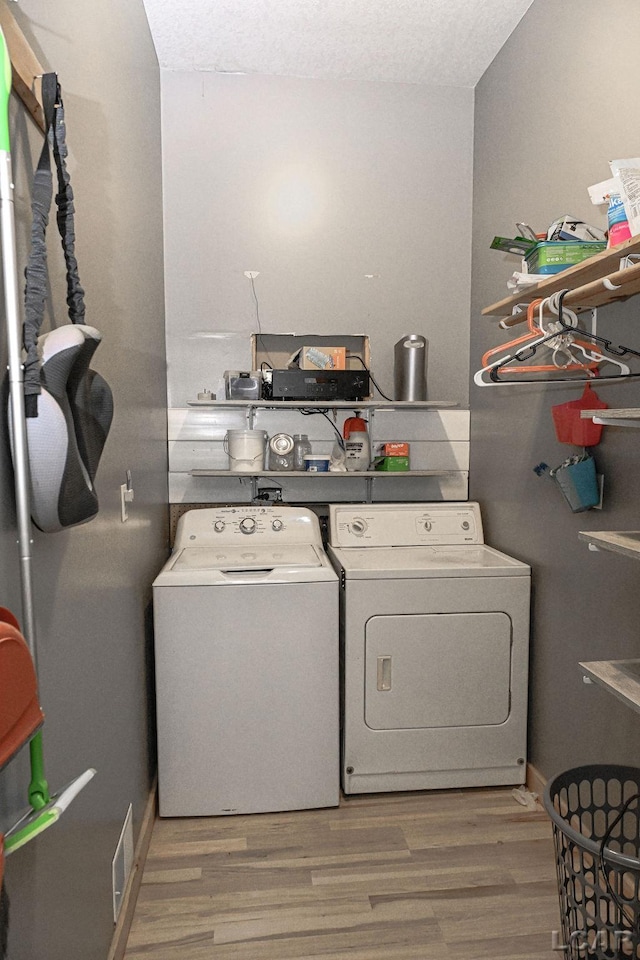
410	368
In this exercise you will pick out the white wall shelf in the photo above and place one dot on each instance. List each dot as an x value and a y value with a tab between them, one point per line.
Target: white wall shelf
325	404
623	417
619	677
322	475
625	542
437	434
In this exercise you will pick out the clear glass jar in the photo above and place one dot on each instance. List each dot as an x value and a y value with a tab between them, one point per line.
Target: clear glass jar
281	452
301	447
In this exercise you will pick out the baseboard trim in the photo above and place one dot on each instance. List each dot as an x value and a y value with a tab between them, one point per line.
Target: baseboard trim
125	918
535	781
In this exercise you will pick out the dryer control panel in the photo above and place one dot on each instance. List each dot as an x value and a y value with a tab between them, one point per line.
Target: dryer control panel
404	524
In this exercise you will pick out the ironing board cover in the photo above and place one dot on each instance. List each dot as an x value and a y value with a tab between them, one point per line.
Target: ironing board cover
68	406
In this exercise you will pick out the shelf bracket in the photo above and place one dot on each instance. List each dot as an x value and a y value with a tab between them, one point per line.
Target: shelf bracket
368	483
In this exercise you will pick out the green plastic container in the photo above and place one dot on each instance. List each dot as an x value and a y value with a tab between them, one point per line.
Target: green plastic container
392	464
552	256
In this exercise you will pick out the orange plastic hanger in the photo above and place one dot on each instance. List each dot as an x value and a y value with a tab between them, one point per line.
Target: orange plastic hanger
537	335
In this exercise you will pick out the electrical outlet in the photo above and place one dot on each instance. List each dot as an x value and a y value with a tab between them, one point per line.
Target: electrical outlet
122	863
126	496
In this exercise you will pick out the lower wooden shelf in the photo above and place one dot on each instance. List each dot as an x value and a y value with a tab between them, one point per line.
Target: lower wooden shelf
622	416
619	677
307	474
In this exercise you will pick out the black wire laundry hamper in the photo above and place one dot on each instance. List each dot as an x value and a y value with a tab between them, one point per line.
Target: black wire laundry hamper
595	812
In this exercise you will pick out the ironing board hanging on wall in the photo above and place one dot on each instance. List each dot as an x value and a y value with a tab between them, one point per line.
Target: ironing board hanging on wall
68	406
20	713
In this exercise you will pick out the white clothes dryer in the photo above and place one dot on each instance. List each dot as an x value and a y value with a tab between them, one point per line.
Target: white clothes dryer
434	632
246	649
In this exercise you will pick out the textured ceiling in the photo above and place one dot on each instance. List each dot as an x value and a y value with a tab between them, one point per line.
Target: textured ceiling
449	42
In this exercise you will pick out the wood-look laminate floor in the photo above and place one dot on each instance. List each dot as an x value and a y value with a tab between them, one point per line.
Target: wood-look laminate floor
446	875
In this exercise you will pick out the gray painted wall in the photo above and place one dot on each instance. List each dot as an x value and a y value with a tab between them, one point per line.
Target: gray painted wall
92	583
556	105
386	169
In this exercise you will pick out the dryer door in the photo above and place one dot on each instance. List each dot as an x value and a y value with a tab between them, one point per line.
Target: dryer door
437	670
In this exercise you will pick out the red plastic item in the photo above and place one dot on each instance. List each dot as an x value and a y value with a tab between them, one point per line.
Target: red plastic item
20	711
353	425
570	427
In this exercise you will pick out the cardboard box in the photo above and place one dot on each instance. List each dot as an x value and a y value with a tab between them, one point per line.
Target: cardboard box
395	449
570	228
323	358
550	256
391	464
275	350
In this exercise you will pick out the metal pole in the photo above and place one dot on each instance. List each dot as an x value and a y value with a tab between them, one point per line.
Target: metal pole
14	351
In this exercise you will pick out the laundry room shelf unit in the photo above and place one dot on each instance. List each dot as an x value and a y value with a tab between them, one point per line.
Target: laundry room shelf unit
595	282
592	283
619	677
437	433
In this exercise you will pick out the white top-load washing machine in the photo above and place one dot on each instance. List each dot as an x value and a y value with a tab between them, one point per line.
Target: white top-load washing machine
434	631
246	650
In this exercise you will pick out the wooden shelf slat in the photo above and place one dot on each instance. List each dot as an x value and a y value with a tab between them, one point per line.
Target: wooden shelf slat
619	677
584	280
26	70
625	542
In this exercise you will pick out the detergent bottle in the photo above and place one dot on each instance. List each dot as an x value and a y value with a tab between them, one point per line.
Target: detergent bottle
357	448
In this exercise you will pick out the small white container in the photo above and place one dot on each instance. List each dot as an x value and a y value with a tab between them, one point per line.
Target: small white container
317	462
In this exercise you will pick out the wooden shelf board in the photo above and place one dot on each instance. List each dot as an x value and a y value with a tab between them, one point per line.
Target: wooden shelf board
625	542
619	677
26	70
594	268
629	413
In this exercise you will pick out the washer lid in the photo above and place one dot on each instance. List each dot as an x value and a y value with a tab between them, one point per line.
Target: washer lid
248	562
249	556
386	563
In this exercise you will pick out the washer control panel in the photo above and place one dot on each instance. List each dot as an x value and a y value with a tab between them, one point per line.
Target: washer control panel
404	524
224	525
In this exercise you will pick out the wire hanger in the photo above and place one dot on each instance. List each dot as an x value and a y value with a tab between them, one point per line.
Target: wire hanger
556	304
560	341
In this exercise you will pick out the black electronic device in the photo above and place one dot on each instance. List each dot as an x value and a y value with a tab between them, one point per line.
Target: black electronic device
320	385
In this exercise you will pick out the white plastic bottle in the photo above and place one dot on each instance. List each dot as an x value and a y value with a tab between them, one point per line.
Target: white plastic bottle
357	448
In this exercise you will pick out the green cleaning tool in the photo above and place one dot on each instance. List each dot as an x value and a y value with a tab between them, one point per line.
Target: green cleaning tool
37	821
